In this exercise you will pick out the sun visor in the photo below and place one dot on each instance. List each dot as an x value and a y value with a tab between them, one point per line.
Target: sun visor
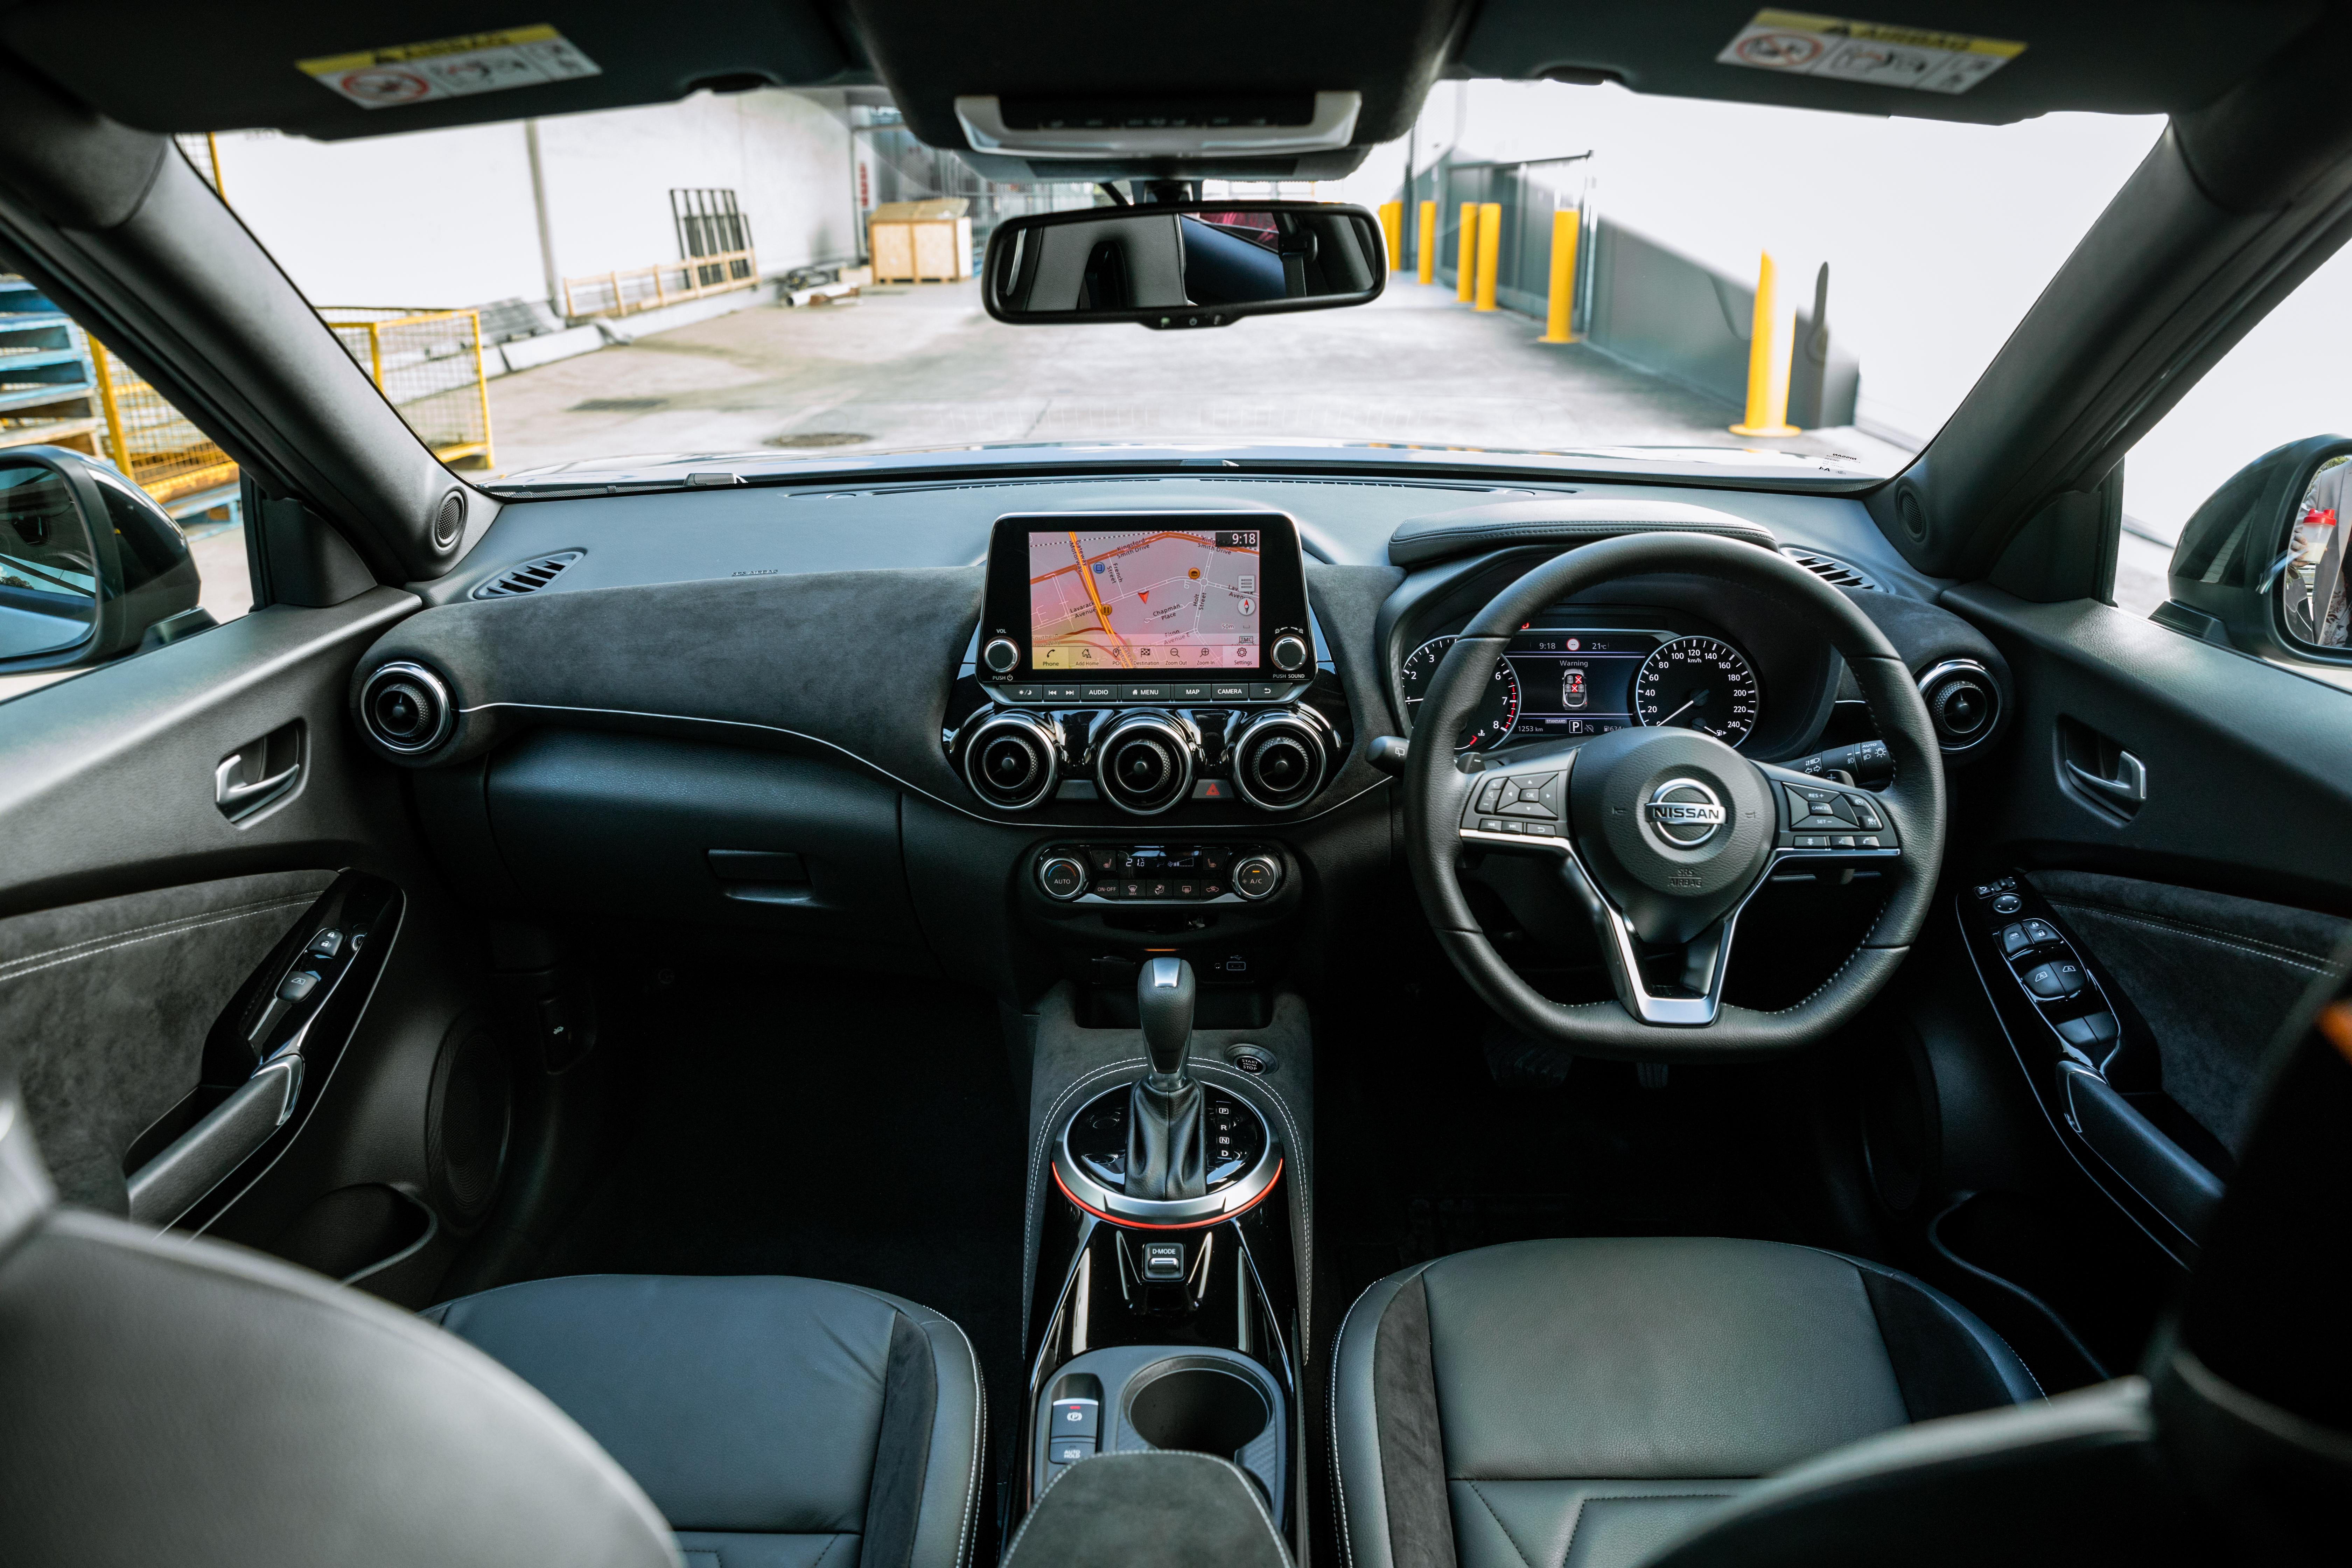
370	67
1987	61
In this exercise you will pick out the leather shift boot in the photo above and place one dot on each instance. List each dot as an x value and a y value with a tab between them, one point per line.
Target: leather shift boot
1165	1155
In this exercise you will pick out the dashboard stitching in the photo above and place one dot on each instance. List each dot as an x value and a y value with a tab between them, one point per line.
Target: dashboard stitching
867	761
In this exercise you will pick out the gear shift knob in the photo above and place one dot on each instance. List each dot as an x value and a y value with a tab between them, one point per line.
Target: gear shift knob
1163	1001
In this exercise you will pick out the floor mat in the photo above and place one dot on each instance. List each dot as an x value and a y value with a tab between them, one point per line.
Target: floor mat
839	1127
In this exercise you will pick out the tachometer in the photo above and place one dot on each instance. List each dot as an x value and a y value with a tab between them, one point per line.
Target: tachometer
1497	711
1698	683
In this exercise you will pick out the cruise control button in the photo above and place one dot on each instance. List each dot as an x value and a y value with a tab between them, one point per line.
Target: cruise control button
1490	796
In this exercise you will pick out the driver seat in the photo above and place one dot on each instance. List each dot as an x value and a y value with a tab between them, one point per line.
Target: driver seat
1580	1402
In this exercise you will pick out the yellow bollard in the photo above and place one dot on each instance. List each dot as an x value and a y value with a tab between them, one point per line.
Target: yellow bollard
1392	230
1466	256
1427	249
1768	346
1490	252
1563	277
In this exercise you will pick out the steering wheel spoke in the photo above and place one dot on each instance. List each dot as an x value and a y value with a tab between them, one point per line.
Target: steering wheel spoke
1521	808
1687	1001
1822	819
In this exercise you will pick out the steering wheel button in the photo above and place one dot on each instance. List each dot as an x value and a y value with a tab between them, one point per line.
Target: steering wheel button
1813	841
1541	830
1515	826
1490	825
1868	841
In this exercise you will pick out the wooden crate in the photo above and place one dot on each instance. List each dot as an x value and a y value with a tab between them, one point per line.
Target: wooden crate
920	242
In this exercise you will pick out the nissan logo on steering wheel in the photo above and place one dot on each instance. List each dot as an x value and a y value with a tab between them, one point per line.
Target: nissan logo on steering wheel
1685	812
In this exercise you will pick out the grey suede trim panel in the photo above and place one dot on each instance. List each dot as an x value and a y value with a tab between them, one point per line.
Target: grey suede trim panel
2213	976
902	1453
108	1004
1412	1446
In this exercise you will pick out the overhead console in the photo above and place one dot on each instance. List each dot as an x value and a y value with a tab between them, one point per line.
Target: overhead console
1147	659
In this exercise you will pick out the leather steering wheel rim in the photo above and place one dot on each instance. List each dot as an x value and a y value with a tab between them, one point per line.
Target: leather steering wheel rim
1436	790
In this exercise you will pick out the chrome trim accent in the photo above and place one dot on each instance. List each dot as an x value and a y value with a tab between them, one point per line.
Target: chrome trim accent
1245	1190
1012	649
1180	740
1255	897
1666	815
1039	730
1993	692
435	688
1318	734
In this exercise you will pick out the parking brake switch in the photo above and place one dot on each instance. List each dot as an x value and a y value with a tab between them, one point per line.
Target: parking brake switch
1072	1430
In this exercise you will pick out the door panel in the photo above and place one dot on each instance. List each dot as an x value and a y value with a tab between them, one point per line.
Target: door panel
149	929
109	1004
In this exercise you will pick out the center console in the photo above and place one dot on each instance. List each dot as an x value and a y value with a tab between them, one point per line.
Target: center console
1166	1315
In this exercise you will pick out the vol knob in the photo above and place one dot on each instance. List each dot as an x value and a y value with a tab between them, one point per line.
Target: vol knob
1289	653
1002	655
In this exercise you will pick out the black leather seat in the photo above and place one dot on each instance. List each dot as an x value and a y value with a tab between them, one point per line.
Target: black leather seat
1580	1401
776	1423
169	1400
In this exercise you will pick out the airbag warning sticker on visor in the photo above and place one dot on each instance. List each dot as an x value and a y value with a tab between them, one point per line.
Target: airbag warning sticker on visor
450	68
1875	53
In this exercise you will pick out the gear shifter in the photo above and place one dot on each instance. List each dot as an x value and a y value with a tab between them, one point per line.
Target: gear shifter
1165	1155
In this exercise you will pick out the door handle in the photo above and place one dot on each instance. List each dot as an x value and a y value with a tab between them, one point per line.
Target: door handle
235	799
2129	786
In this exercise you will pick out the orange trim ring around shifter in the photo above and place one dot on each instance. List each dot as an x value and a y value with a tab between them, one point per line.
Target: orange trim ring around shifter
1187	1225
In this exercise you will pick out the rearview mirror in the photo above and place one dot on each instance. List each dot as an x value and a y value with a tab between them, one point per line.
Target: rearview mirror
1189	264
89	564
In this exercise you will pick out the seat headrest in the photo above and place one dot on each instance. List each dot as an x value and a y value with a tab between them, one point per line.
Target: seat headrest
25	1192
2253	1381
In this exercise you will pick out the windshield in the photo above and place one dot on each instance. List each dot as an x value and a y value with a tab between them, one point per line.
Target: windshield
787	279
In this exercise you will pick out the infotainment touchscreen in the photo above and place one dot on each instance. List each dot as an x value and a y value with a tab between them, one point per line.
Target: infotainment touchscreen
1151	599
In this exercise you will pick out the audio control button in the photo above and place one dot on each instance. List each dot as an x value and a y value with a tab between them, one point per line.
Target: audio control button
1002	655
1289	653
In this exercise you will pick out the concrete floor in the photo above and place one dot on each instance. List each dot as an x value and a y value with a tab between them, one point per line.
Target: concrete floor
921	367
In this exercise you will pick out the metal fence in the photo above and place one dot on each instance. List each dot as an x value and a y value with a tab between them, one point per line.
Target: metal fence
428	365
150	440
1528	191
624	293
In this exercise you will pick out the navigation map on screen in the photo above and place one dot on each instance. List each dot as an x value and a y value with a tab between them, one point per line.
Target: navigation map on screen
1165	599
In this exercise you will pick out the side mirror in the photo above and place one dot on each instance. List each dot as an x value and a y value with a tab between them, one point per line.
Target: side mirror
89	564
1182	264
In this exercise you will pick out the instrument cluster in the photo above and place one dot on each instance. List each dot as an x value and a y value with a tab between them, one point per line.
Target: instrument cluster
1560	681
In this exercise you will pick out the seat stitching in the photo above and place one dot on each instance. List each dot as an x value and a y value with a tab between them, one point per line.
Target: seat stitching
821	1556
1507	1529
964	1530
1936	1299
1339	1469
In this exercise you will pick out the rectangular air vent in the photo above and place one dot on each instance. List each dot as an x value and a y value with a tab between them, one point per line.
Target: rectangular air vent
527	578
1828	569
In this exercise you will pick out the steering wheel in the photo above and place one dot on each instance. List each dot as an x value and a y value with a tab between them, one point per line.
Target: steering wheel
1665	835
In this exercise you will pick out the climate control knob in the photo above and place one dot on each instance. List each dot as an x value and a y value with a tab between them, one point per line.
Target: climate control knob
1144	764
1257	877
1289	653
1062	877
1002	655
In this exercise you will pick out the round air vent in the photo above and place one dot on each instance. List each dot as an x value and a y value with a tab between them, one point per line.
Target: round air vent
407	709
449	520
1144	764
1011	761
1964	702
469	1116
1279	759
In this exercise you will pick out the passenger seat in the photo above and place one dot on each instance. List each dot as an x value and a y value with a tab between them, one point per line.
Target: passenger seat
776	1423
166	1399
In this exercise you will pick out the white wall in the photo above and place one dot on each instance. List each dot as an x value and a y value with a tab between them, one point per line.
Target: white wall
445	217
1939	236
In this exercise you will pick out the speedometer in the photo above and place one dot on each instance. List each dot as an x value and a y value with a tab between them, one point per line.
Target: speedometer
1490	724
1698	683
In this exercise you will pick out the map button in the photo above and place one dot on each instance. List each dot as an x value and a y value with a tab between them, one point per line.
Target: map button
1189	693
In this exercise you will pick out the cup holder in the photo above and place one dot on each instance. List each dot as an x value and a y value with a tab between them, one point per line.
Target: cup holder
1199	1408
